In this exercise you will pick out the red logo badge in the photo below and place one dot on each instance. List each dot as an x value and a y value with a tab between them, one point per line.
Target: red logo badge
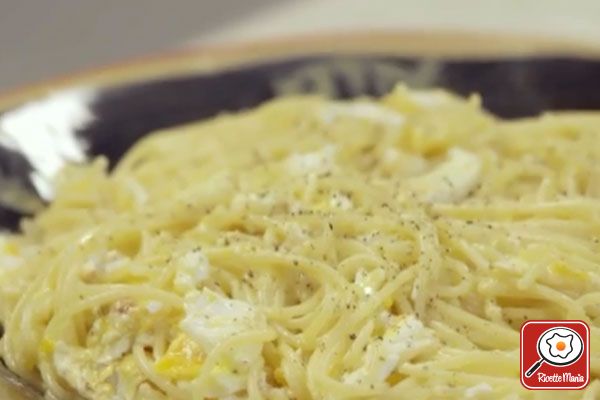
555	354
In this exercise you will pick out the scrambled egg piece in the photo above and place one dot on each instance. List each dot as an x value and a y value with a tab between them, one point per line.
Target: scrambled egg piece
451	181
314	162
210	320
9	254
79	368
104	368
362	110
404	339
119	379
113	334
193	268
106	267
182	361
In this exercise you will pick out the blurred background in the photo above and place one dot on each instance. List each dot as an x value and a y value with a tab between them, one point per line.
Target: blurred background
44	39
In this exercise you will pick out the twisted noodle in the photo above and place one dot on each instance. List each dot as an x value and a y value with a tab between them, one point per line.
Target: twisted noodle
311	249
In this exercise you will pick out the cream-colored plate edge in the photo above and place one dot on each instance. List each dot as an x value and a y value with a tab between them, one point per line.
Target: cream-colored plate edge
206	58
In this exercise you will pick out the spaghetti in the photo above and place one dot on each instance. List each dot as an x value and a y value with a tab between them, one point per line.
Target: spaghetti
311	249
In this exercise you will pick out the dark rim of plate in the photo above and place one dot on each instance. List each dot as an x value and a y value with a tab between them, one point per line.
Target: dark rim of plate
510	88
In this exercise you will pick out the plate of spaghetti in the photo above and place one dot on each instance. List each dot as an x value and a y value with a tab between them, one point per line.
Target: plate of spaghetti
317	226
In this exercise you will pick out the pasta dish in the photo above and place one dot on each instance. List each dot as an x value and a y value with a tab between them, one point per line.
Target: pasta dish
311	249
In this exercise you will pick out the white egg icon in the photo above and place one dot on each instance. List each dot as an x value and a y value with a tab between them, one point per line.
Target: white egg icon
560	345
